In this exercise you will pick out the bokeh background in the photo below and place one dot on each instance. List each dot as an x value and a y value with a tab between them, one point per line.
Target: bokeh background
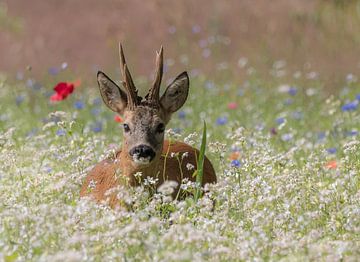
225	40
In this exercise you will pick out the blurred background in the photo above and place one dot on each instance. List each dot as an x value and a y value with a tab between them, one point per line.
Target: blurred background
225	40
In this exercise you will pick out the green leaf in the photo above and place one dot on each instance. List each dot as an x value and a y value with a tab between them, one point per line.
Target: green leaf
200	165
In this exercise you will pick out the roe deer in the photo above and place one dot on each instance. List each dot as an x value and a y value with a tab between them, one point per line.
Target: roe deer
144	149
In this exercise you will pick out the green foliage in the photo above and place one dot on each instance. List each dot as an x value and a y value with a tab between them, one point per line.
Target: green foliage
200	164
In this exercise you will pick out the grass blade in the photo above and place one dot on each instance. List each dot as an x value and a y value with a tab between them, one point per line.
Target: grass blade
200	164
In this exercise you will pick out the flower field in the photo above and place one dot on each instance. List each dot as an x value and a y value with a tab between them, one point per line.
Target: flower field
287	157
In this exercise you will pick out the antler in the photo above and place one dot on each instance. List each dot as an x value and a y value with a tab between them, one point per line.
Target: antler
154	93
127	81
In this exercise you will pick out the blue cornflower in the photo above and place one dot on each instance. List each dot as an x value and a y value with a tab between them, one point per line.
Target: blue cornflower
182	115
60	132
220	121
235	163
321	135
280	120
47	169
358	97
292	90
351	133
79	104
331	150
286	137
351	106
97	127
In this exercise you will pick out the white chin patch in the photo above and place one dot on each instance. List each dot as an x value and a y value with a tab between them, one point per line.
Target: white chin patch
141	160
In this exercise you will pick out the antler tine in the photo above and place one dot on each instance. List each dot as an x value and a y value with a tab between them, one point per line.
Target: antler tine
122	60
155	89
127	80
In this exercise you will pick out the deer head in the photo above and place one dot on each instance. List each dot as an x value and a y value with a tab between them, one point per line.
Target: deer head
144	119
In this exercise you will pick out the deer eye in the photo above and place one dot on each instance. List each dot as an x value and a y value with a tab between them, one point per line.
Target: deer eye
126	128
160	128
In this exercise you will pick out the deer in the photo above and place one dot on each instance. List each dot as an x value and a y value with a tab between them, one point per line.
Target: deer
144	150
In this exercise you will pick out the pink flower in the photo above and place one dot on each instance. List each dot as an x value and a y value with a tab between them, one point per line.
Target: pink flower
232	105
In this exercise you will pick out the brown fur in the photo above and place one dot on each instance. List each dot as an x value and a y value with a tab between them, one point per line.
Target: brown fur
104	174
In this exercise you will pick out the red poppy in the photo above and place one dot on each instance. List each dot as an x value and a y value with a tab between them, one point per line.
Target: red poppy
118	119
331	164
62	90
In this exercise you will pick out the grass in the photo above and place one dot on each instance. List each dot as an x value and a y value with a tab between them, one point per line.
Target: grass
200	165
286	157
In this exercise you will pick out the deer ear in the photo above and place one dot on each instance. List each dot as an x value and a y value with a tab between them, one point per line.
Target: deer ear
175	94
113	97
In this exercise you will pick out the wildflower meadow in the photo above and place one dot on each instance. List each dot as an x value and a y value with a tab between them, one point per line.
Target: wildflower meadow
274	103
286	156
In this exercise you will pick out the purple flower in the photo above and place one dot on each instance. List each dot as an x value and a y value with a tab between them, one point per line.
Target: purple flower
351	106
60	132
358	97
220	121
286	137
280	120
331	150
351	133
235	163
292	90
321	135
97	127
79	104
182	115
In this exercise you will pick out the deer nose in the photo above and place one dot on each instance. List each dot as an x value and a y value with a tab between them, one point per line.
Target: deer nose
142	151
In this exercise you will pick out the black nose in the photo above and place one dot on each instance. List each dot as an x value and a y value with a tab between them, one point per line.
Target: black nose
142	151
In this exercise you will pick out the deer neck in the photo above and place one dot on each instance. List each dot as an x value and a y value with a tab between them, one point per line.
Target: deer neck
129	169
